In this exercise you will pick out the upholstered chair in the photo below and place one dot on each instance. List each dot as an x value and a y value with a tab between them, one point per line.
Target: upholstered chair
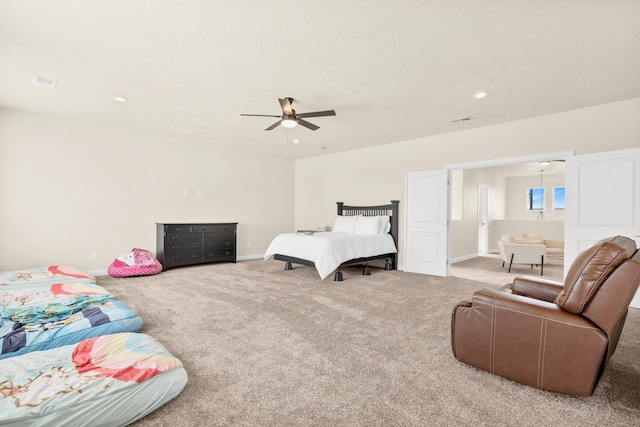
549	335
512	252
554	246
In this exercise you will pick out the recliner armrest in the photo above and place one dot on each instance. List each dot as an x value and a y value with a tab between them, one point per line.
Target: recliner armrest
534	287
524	306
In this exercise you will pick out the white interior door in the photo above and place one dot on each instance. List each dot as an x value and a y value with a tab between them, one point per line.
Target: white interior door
603	199
426	241
483	218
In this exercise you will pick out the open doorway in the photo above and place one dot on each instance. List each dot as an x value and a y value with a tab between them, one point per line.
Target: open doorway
444	243
487	198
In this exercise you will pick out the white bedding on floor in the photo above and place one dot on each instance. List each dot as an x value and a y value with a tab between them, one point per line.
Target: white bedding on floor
330	249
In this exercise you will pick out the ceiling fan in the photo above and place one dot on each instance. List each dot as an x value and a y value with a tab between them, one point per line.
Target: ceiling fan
290	118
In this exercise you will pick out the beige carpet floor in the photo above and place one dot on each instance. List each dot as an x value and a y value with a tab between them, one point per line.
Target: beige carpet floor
268	347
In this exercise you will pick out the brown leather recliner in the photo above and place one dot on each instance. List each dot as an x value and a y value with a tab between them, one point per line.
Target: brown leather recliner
548	335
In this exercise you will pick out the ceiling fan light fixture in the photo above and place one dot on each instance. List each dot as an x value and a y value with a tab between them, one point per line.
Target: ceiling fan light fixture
289	122
290	119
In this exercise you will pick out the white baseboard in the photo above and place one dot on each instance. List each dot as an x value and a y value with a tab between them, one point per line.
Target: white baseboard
248	257
464	258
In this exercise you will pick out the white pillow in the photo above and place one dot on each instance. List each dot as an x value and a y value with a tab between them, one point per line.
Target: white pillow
385	224
368	225
530	241
345	223
532	236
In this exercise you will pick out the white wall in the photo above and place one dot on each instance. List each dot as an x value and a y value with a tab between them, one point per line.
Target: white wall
377	175
69	187
516	228
517	199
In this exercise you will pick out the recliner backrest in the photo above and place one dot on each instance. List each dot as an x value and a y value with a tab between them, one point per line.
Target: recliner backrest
609	306
590	269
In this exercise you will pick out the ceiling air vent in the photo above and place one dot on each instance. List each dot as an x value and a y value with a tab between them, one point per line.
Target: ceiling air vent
44	82
461	119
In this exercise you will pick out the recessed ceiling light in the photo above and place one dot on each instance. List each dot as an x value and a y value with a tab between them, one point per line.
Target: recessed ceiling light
295	141
120	99
480	95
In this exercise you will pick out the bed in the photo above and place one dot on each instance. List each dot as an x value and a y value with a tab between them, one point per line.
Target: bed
54	306
361	234
109	380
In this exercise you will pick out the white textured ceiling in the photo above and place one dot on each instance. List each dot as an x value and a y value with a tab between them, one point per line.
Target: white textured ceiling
392	70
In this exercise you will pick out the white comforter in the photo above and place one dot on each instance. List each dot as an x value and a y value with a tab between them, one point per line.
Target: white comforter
330	249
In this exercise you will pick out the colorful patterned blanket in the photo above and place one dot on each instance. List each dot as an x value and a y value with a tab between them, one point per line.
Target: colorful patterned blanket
46	274
96	381
53	303
53	306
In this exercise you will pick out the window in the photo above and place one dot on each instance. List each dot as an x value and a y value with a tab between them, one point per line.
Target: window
535	199
558	198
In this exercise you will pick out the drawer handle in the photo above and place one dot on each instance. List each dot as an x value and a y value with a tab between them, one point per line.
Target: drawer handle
228	244
194	256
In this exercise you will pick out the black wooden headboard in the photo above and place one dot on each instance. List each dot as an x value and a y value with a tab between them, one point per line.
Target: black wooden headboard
391	210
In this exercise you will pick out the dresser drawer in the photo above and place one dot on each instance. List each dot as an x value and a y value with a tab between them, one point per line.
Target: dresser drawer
229	228
177	228
184	237
182	246
222	235
220	255
183	258
218	244
202	228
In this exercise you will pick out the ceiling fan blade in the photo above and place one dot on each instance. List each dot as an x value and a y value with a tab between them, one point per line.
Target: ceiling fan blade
286	105
275	125
307	124
260	115
317	114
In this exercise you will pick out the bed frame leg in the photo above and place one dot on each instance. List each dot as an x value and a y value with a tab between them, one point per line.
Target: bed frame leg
338	276
366	271
387	265
287	266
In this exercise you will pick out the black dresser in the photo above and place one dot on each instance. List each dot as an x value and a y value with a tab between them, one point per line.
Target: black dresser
188	244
